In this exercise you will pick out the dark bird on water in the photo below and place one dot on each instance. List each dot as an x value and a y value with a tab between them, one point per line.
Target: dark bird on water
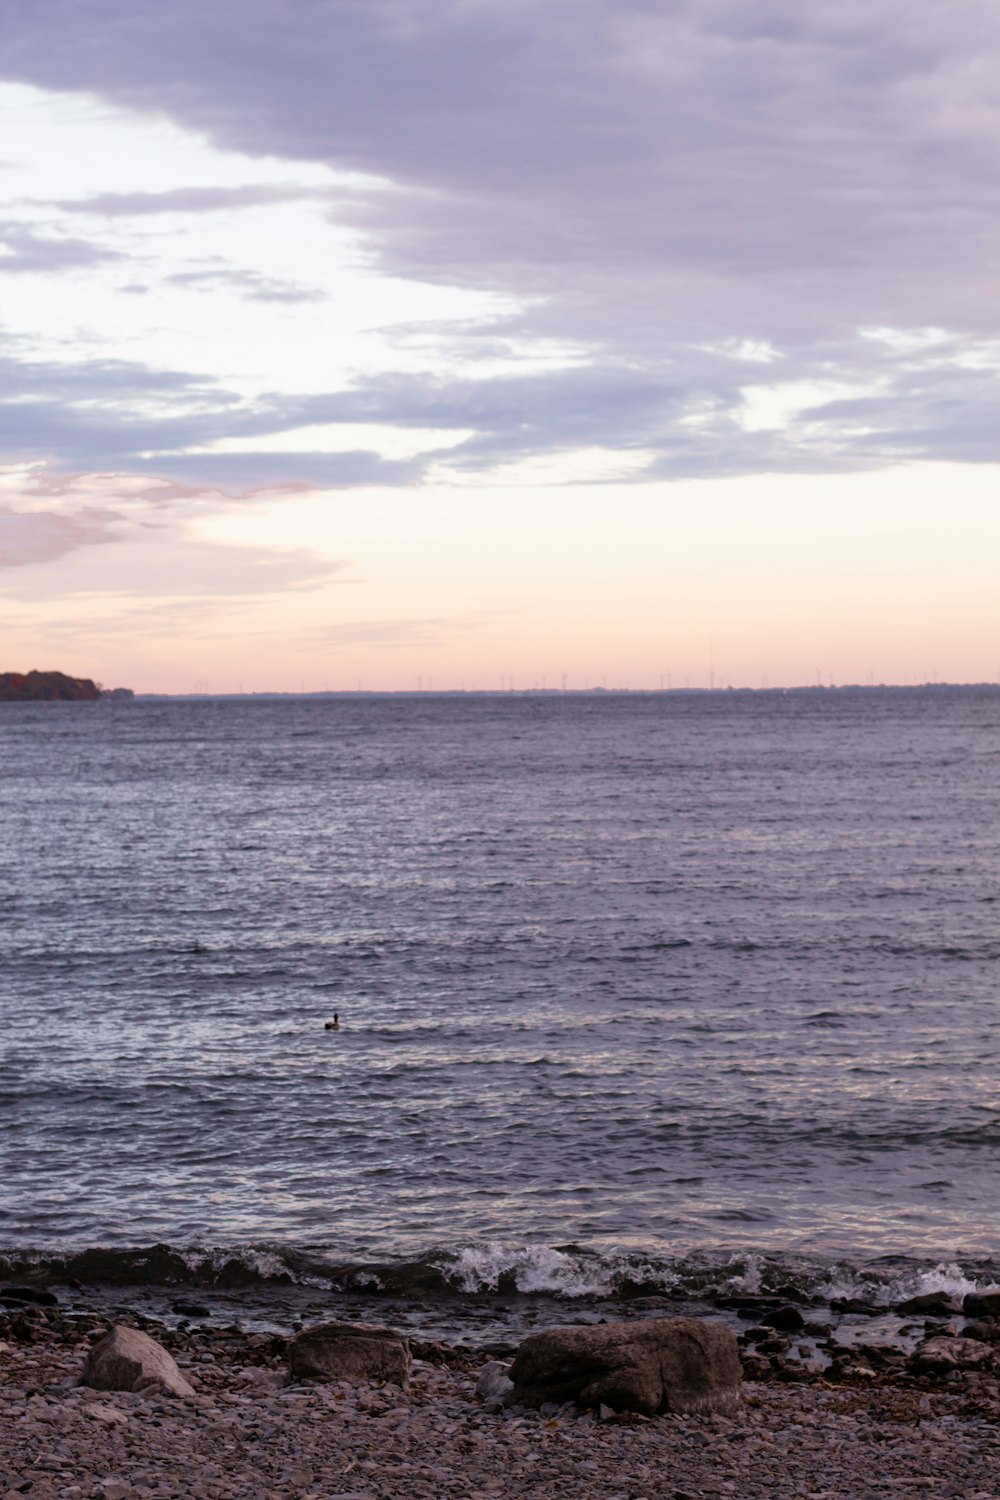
333	1025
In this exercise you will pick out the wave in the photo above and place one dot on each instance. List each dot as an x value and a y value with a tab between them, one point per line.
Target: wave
491	1269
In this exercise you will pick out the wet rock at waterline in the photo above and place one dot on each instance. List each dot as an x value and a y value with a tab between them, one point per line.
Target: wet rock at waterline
665	1365
930	1304
985	1304
783	1319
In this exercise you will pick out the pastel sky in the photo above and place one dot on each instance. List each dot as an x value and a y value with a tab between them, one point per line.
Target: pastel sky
462	342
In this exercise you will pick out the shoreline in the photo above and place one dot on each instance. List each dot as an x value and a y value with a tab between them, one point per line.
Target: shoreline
485	1294
473	1267
247	1434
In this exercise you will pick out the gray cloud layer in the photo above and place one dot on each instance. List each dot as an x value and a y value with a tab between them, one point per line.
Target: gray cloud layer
183	200
94	417
738	159
666	178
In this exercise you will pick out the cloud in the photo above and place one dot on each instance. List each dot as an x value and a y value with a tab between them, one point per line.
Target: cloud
151	558
141	553
102	380
188	200
28	537
732	164
690	413
250	283
696	411
104	415
22	250
243	474
666	187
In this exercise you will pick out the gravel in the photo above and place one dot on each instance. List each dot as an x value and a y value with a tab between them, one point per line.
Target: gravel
247	1434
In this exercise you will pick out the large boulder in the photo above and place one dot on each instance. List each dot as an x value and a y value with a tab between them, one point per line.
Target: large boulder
664	1365
350	1351
127	1360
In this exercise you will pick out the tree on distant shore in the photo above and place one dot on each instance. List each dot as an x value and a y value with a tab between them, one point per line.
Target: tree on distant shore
28	687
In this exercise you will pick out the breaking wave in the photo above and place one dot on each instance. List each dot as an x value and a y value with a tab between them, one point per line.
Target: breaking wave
496	1269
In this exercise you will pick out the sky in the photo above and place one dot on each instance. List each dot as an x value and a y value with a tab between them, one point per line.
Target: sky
472	343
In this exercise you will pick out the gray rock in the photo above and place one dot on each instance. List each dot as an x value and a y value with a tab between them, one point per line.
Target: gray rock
265	1381
127	1360
938	1356
664	1365
115	1489
934	1304
350	1351
99	1411
987	1331
755	1366
494	1384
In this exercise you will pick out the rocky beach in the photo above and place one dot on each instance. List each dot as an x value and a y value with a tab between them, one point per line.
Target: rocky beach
820	1411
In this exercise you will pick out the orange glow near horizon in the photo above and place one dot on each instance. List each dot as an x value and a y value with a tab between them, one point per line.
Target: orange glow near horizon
770	580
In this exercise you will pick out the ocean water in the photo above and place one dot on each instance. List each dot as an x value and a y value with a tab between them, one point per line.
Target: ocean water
667	979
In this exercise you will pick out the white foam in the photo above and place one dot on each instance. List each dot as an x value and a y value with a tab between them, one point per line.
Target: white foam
266	1264
746	1274
946	1277
534	1268
943	1278
358	1278
542	1269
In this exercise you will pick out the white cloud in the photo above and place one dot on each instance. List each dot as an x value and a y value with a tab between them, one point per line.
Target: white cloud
342	437
769	408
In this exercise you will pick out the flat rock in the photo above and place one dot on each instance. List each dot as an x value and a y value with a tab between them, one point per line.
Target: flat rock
350	1351
128	1360
663	1365
99	1411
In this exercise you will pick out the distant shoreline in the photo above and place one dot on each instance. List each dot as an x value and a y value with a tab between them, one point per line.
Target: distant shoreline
805	691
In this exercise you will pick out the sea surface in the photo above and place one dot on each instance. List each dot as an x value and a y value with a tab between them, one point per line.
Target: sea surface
628	984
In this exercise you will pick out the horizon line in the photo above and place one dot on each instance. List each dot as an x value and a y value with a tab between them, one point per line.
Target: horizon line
730	690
